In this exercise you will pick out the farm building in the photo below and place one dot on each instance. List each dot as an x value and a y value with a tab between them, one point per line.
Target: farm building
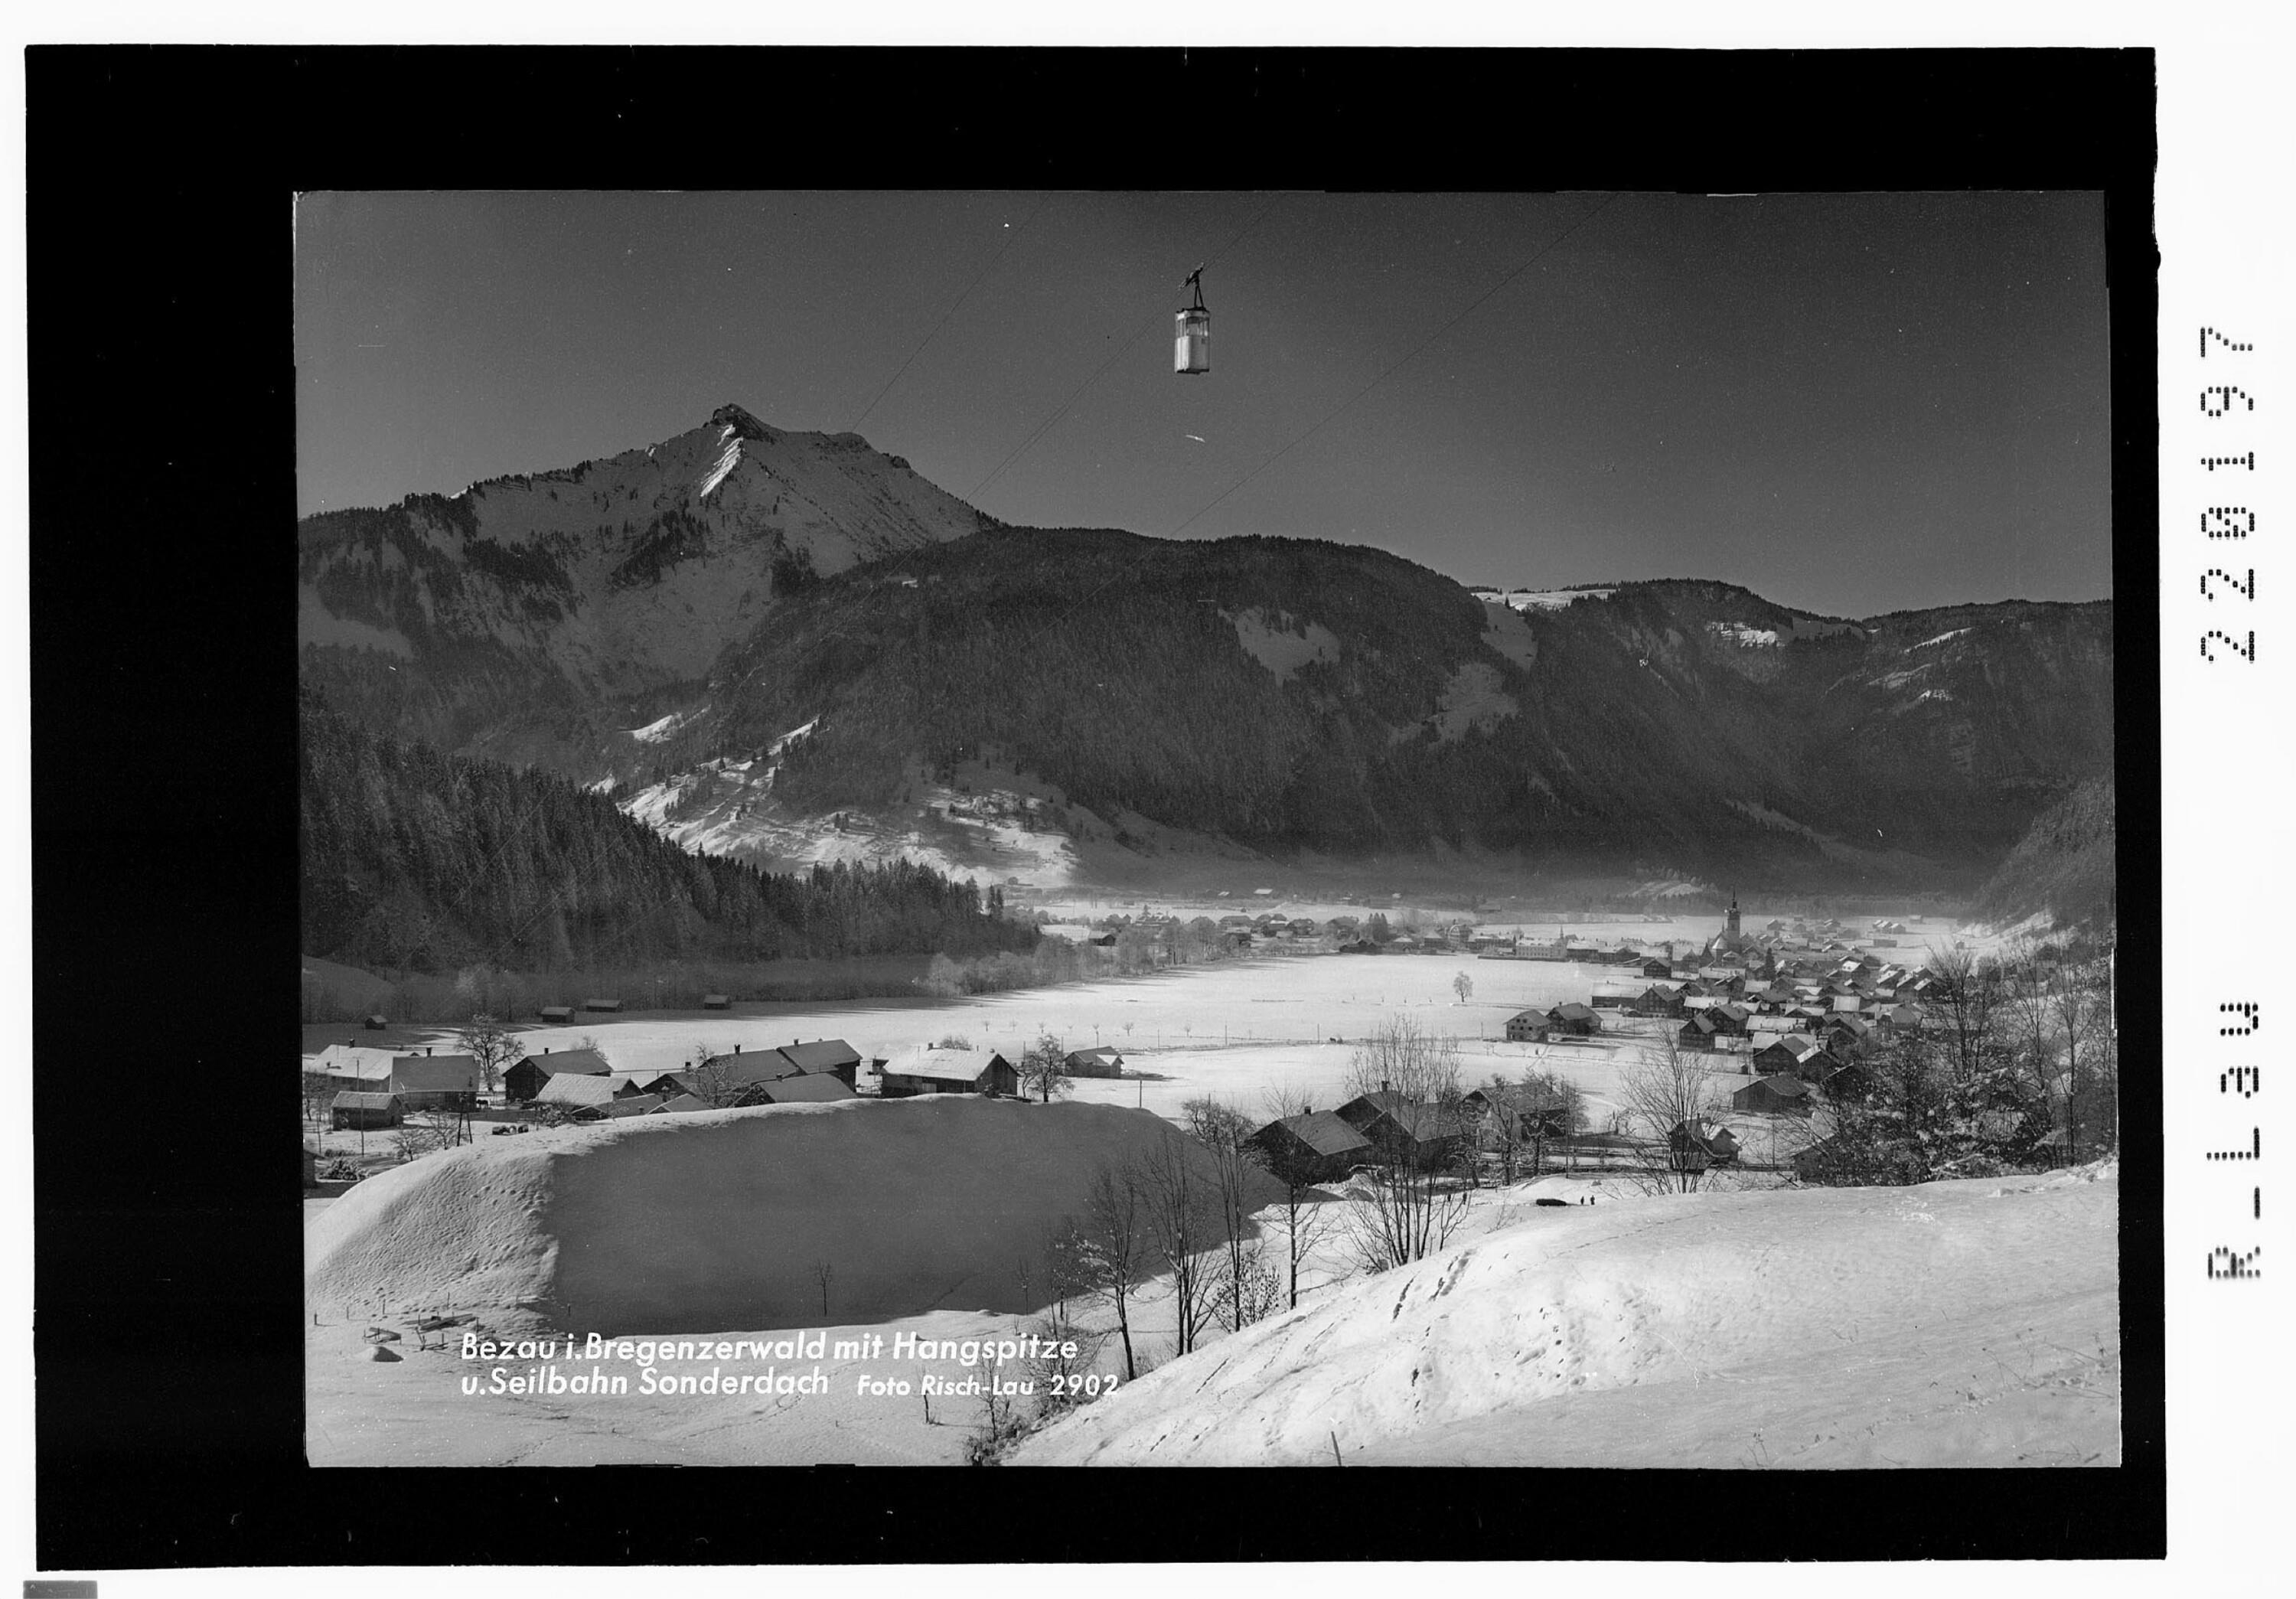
1655	967
557	1012
1700	1031
683	1104
1849	1082
524	1079
717	1001
349	1068
833	1056
806	1088
375	1024
429	1082
926	1071
1571	1018
615	1110
1784	1095
1315	1146
1394	1124
1700	1144
602	1004
576	1091
1848	1037
1103	1061
720	1079
1798	1053
355	1111
1659	999
1527	1027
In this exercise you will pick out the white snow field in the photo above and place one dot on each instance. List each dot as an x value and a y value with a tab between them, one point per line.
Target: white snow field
1959	1324
717	1219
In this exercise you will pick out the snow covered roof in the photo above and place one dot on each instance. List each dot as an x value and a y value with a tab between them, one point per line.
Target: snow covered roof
807	1088
1323	1131
352	1100
820	1054
578	1088
432	1074
945	1065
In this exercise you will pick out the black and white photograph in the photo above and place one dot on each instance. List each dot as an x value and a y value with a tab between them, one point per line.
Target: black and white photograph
1207	826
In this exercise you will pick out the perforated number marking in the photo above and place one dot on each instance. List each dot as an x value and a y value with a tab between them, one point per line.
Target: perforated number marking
2209	333
2242	1080
2223	397
2217	571
2251	1014
2233	521
2245	651
2213	461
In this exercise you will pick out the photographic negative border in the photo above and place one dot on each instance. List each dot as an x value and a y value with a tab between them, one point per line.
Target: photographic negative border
160	181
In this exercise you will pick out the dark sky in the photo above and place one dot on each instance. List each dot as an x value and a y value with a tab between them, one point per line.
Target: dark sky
1847	403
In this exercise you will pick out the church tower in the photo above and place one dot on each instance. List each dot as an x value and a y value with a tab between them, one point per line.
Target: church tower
1730	921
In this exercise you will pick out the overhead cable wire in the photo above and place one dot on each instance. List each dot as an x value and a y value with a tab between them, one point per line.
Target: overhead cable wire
1333	414
969	287
1114	354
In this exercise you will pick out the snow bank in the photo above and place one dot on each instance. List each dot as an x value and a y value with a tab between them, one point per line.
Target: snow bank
718	1219
1712	1327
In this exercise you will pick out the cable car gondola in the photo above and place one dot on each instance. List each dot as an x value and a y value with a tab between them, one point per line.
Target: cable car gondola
1192	330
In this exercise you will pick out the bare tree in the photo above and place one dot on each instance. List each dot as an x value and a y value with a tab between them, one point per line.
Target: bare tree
712	1078
1552	1107
1116	1244
823	1271
1246	1288
1967	994
1184	1224
1464	987
1666	1091
1306	1212
1044	1069
486	1042
1403	1207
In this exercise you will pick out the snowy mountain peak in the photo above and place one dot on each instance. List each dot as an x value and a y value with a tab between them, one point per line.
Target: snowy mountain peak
743	425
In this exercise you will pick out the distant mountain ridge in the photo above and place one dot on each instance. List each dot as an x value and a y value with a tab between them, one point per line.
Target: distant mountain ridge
790	646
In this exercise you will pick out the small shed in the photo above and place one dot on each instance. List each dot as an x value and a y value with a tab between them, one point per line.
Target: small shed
717	1001
602	1004
554	1013
375	1024
359	1111
1102	1061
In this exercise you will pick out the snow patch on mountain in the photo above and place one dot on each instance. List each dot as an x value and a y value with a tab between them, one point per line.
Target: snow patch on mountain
656	732
1744	636
1941	638
718	471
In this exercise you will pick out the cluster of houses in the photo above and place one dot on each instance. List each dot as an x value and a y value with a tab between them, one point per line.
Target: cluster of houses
377	1091
1798	1005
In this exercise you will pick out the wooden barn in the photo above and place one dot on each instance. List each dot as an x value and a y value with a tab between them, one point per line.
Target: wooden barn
1796	1053
1102	1061
375	1024
602	1004
579	1092
524	1079
1785	1095
1315	1146
717	1001
722	1078
429	1082
1702	1144
806	1088
1428	1132
555	1015
355	1111
1527	1027
1659	999
950	1071
1571	1019
832	1057
1700	1031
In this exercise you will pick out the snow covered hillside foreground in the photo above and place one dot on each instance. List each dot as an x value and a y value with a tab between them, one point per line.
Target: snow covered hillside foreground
720	1219
1958	1323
